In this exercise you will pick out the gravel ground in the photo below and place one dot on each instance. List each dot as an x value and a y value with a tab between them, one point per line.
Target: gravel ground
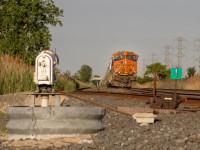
169	132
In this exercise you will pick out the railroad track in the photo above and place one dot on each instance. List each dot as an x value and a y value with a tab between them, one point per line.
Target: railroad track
190	97
132	93
96	103
148	92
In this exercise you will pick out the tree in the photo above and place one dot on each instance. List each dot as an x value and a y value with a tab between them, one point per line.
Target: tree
161	70
85	73
191	71
67	73
24	26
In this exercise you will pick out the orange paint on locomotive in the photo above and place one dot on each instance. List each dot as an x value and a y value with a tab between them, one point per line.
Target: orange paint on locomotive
125	63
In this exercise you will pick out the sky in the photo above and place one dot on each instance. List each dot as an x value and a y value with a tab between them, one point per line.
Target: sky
94	29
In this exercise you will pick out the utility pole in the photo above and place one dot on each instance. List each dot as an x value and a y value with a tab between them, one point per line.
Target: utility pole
180	48
167	56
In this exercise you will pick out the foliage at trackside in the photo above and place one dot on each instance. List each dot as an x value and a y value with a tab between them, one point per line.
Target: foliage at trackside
84	74
24	27
144	79
15	76
191	71
158	68
64	83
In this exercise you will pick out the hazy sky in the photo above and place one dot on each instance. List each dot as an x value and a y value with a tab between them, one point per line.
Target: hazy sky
94	29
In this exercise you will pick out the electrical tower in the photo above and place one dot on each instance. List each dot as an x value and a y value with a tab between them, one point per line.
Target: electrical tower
197	48
180	48
143	66
153	58
167	56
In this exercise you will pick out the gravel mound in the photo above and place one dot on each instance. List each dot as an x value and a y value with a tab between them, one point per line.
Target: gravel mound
15	99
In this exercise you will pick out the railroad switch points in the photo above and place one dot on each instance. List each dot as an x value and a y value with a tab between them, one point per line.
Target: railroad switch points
165	101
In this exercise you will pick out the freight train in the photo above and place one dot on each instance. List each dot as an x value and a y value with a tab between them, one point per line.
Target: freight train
122	70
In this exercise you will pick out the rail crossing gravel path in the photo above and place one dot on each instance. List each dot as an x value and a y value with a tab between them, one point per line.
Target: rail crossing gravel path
169	132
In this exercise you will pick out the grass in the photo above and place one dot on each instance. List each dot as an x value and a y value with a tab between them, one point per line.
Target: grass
64	83
192	83
15	76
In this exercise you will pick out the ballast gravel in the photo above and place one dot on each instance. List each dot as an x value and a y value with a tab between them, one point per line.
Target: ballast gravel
169	132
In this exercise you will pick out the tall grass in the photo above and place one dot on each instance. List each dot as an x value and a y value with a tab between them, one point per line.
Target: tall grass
15	76
192	83
64	83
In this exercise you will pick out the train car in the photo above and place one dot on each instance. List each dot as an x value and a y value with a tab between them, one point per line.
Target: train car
122	70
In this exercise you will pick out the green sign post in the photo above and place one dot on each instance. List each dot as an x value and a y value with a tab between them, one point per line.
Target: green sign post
176	73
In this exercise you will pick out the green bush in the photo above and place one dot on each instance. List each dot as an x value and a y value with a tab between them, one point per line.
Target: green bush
64	84
144	79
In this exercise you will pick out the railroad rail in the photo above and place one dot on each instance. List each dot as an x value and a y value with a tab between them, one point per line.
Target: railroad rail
96	103
190	97
184	94
133	93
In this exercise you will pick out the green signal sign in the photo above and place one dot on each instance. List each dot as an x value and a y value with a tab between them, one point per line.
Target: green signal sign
176	73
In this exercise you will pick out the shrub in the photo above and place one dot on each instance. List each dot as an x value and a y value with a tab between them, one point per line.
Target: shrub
144	79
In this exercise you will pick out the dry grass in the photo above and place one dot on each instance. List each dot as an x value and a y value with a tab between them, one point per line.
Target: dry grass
15	76
192	83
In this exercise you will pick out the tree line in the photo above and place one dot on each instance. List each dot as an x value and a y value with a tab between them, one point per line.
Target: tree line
162	72
24	31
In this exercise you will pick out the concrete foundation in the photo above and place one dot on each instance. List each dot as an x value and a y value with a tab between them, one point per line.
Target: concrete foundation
48	122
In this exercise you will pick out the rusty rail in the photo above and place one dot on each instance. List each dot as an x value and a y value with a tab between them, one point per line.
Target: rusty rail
186	94
96	103
114	109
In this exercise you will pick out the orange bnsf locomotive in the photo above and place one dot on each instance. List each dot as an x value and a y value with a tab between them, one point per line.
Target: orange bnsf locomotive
122	70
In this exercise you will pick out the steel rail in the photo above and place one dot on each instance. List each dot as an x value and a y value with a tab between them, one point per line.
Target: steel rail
116	110
96	103
190	94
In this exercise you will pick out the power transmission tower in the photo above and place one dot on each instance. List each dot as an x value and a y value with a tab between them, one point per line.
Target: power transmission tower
143	66
153	58
180	48
197	48
167	56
